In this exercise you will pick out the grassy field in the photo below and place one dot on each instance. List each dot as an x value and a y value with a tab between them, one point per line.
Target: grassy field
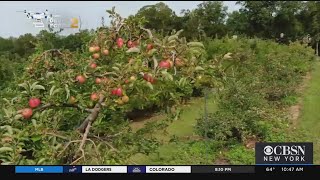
309	120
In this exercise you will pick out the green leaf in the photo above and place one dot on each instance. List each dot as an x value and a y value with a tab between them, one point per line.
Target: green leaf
167	75
9	129
133	50
152	51
56	91
6	163
172	41
38	87
179	32
49	74
24	92
173	37
17	117
34	123
165	40
118	64
36	138
68	91
155	63
51	90
5	149
199	68
6	112
33	85
24	85
6	100
41	160
195	44
150	85
116	69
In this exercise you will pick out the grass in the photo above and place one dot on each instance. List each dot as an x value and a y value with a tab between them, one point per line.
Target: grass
310	116
185	150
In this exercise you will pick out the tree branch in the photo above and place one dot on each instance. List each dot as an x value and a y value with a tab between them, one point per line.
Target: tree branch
93	116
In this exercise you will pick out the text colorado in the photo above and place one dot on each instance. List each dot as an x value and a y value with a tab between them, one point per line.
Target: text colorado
161	169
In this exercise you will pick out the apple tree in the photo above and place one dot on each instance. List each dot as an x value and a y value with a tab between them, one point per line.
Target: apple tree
72	107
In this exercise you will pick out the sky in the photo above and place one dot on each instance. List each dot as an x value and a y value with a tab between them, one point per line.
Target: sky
13	23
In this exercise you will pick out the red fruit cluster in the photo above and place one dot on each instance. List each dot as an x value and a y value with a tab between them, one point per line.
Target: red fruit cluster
117	92
33	103
149	78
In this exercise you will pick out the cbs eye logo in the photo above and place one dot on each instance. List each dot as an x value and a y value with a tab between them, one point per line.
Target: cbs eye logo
268	150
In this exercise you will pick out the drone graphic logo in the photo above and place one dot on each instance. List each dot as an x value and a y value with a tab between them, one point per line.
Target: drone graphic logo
53	21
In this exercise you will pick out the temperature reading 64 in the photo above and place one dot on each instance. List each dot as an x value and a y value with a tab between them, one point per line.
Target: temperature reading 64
270	169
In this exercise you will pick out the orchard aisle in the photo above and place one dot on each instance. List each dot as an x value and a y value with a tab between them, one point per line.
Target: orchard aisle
182	129
310	116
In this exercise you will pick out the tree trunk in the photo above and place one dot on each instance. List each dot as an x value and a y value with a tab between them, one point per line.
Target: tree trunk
317	48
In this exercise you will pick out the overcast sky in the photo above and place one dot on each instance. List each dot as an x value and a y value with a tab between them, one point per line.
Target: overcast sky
13	23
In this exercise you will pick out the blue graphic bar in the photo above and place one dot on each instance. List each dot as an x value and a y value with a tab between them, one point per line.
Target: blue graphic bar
39	169
284	164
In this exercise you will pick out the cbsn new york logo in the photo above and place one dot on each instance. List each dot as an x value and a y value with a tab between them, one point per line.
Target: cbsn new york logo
284	153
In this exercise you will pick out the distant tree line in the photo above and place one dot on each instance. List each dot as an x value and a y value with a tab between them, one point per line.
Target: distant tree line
263	19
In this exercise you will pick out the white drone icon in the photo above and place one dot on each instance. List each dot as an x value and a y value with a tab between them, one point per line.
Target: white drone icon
38	17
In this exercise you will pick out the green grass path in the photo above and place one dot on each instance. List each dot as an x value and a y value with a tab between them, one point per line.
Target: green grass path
309	120
181	128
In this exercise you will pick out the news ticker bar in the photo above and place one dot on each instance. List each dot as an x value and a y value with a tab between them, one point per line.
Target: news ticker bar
169	169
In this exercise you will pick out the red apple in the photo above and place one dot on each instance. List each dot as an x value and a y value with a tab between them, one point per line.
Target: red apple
149	47
34	102
26	113
117	92
105	52
179	62
94	97
93	65
114	92
92	49
149	78
97	48
171	63
165	64
72	100
81	79
96	56
119	42
130	44
98	80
